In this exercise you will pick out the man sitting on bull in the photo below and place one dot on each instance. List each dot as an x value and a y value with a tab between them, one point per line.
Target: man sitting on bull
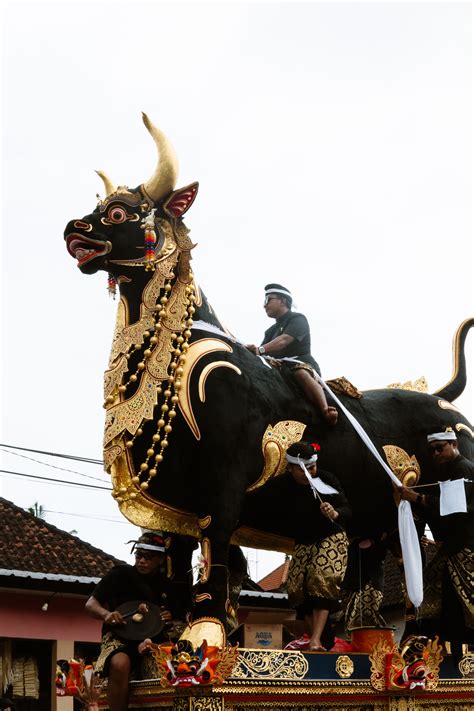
288	343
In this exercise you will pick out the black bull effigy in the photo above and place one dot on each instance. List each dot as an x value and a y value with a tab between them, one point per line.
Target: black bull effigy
196	426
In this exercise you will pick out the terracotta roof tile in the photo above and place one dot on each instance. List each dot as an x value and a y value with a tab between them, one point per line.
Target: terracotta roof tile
274	580
30	544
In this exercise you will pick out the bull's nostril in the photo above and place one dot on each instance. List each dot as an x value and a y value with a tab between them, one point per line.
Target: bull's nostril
80	225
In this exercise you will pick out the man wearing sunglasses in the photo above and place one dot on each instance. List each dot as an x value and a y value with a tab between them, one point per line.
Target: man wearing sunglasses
145	581
448	601
290	338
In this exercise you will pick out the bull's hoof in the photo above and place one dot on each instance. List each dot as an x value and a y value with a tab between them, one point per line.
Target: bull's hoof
205	628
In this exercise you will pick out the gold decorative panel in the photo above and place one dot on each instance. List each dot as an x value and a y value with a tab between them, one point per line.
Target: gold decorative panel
270	664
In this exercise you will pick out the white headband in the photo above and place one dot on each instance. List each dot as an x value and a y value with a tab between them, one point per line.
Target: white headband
300	461
318	486
148	547
448	436
278	291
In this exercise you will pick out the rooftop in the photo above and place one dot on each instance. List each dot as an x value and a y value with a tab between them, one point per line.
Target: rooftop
33	546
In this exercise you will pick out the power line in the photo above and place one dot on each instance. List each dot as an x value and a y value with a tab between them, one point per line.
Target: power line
55	454
52	466
56	481
98	518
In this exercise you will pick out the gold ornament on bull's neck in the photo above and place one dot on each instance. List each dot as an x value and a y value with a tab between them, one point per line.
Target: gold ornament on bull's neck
163	332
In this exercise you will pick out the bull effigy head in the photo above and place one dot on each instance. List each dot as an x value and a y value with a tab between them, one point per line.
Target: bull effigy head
138	236
145	218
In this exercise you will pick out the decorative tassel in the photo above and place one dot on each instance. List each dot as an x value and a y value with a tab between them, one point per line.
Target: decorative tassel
150	240
112	285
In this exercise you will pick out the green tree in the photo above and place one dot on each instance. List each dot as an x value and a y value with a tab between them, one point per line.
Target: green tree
37	510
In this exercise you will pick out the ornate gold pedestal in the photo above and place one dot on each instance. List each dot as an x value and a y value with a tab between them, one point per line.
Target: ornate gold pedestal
275	680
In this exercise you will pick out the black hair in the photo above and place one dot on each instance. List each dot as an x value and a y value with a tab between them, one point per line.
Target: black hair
303	449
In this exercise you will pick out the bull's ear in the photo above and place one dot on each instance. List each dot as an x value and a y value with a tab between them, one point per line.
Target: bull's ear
180	200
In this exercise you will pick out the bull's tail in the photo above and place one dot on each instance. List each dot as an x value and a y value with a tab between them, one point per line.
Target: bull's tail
456	385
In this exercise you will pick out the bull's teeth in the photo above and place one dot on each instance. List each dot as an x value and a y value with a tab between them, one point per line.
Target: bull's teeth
81	253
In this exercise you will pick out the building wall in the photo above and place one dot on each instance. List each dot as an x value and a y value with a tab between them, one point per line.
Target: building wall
21	616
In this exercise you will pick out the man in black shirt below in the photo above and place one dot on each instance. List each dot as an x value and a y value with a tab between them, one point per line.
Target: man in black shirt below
144	581
290	337
448	603
319	558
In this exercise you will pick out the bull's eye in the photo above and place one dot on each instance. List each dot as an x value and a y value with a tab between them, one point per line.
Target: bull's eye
117	215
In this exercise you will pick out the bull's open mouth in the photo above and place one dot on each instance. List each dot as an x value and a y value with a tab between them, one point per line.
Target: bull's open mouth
85	249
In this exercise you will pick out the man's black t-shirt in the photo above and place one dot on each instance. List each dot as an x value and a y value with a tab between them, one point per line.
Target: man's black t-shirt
456	530
124	583
295	325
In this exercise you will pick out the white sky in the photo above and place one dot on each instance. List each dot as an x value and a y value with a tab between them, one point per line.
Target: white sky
333	145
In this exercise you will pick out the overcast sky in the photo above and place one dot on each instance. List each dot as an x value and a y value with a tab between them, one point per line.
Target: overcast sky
333	146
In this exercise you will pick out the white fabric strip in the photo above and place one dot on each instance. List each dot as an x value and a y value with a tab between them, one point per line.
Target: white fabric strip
316	483
406	527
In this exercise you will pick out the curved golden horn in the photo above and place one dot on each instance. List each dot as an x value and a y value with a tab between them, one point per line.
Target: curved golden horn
109	186
163	180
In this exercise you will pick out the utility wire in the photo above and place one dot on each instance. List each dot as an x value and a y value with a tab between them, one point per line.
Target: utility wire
52	466
56	481
55	454
98	518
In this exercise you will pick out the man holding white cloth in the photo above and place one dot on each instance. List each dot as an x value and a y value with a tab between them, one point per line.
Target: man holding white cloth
448	603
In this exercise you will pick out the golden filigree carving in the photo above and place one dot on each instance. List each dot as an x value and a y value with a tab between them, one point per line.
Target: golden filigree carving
417	668
466	665
113	377
205	703
204	522
460	427
343	386
344	666
112	453
275	442
446	405
377	663
403	704
406	468
126	336
270	664
195	352
129	414
420	385
182	237
141	509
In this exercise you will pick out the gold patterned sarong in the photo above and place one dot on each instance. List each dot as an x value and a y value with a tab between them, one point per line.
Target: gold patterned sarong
362	608
317	570
460	566
109	645
143	667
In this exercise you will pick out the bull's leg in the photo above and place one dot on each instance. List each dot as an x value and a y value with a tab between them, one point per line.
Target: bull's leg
218	521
